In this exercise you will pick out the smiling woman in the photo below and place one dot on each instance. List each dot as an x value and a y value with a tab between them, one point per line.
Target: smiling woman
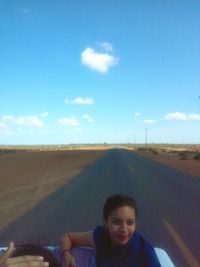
120	225
116	242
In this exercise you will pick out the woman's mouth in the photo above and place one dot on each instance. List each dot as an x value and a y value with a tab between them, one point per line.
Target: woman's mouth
123	237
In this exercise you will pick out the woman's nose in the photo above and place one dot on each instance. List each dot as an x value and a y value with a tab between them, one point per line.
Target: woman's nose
123	228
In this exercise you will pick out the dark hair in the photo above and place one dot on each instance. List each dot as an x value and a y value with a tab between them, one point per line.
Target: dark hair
116	201
36	250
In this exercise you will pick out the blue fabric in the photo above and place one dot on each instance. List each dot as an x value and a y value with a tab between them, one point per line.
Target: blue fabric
136	253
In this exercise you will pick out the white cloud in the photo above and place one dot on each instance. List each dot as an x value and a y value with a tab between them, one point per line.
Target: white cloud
2	125
100	62
83	101
4	131
44	114
106	46
194	117
149	121
181	116
23	132
68	121
175	116
137	114
23	120
79	129
88	118
80	101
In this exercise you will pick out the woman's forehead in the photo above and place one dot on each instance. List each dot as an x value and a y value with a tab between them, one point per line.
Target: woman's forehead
124	211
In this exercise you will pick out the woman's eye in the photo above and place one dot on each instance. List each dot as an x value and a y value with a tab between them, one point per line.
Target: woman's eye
131	223
116	222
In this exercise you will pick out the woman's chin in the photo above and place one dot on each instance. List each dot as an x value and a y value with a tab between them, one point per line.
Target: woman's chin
123	241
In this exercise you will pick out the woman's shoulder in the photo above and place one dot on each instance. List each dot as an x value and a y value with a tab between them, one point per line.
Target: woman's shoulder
147	252
144	242
98	235
98	231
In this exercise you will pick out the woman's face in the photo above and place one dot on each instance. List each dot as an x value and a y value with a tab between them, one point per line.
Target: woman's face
121	225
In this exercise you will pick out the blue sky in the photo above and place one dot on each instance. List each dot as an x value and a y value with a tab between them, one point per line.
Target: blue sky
85	71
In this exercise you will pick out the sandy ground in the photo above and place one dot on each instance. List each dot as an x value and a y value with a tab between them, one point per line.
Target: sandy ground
174	159
28	177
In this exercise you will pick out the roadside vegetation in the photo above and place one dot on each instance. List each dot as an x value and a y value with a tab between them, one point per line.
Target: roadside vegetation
197	156
184	152
181	152
4	149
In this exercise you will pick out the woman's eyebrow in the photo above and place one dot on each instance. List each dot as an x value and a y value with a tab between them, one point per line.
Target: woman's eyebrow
131	220
119	219
115	218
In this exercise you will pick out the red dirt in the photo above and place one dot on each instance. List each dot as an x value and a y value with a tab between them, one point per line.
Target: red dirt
28	177
173	159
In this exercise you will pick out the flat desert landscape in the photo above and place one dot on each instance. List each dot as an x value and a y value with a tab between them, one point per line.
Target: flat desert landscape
184	158
28	175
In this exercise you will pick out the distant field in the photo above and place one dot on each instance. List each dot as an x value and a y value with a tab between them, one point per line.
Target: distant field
167	147
14	148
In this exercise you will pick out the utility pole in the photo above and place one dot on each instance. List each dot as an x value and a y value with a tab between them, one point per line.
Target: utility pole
145	137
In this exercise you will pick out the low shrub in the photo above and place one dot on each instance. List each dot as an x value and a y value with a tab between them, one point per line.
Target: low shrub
197	156
142	149
6	151
149	149
182	156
